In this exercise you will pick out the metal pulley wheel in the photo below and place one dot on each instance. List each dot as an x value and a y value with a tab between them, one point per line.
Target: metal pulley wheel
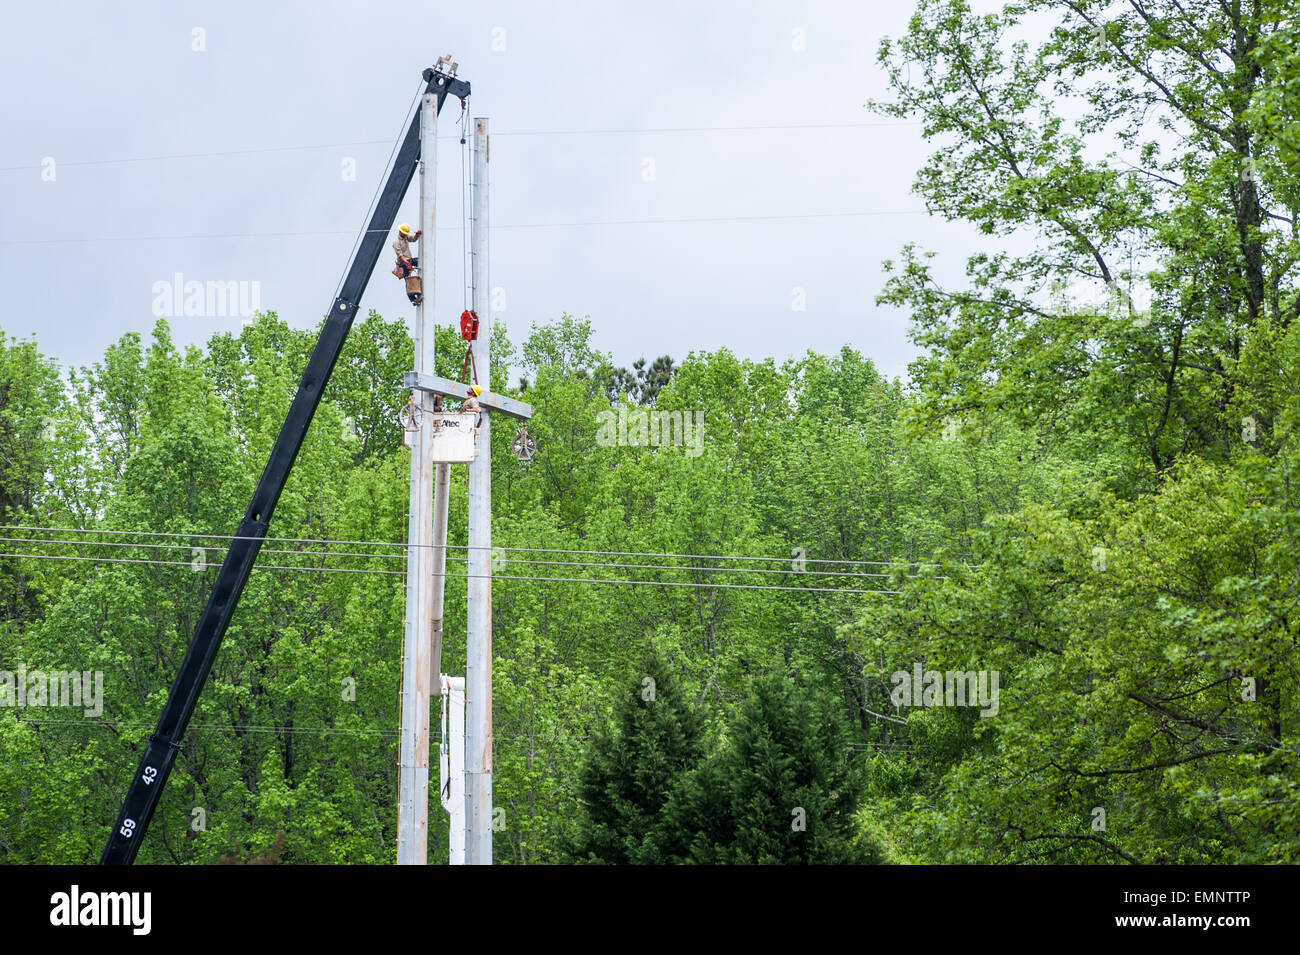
524	446
410	415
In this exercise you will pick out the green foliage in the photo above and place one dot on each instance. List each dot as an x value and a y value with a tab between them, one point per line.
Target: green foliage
783	788
780	787
628	773
641	384
1136	602
296	728
1158	207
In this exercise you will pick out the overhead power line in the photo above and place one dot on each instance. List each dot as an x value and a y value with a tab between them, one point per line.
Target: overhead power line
400	573
591	223
403	546
436	736
167	157
249	728
506	560
186	563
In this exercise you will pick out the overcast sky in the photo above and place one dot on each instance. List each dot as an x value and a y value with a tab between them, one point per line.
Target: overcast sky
168	159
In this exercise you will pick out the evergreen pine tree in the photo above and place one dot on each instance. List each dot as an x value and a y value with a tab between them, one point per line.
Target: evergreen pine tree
629	771
782	790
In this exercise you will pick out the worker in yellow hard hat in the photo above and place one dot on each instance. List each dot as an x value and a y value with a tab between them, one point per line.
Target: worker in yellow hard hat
402	246
470	404
406	263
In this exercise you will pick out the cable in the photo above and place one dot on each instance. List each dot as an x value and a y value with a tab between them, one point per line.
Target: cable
465	223
374	199
857	748
186	563
546	550
518	225
402	573
195	534
708	129
85	543
383	142
711	570
633	553
390	733
248	728
232	727
511	560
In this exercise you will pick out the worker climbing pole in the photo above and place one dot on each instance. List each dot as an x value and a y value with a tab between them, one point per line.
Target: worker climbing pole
408	265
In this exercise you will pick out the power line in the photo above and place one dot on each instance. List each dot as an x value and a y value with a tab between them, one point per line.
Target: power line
510	560
285	729
186	563
784	560
379	186
715	570
537	550
400	573
246	728
204	155
196	534
86	543
709	129
230	727
522	133
590	223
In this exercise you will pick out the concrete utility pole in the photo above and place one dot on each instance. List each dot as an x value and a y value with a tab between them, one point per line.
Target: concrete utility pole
471	842
441	488
478	651
419	662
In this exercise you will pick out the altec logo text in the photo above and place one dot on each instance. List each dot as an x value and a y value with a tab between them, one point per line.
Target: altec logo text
103	908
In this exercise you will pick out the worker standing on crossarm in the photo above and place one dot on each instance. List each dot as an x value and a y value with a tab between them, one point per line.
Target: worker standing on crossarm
402	246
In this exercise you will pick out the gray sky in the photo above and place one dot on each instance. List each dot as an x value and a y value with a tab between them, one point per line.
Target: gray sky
90	84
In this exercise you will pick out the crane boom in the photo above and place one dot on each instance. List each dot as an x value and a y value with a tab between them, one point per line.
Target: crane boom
160	751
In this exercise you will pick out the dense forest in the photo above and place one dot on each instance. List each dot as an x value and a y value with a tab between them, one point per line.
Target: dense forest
1083	489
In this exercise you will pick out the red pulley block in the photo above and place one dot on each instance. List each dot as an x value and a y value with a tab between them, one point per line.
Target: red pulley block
469	325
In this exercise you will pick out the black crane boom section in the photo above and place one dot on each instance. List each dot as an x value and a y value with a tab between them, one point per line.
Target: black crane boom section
160	751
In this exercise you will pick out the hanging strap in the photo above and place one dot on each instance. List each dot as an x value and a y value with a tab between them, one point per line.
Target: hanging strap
468	365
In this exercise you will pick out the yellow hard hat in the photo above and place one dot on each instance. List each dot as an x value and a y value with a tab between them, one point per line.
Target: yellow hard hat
476	389
404	228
